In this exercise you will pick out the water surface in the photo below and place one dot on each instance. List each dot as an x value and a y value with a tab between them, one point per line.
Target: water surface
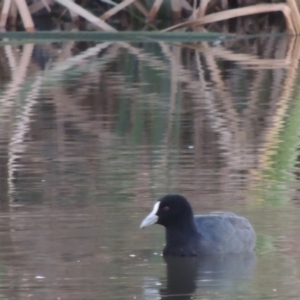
91	134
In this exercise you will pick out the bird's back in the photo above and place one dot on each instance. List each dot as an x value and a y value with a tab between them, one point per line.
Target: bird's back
225	233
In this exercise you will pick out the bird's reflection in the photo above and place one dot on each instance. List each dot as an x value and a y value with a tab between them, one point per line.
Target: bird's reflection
206	275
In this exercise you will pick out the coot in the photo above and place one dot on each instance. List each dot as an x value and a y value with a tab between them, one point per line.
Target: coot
189	235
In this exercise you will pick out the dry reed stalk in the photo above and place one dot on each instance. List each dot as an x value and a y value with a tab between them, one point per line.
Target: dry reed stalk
295	14
176	9
224	4
13	14
46	5
239	12
202	8
4	12
116	9
141	8
154	9
186	5
25	15
194	11
73	15
86	15
35	7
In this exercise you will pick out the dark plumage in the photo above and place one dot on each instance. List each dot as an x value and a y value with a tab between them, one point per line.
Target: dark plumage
189	235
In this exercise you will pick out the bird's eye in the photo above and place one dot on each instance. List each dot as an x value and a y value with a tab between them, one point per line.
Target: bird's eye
165	208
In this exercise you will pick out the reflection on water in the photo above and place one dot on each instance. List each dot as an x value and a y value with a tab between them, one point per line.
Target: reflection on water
206	275
92	133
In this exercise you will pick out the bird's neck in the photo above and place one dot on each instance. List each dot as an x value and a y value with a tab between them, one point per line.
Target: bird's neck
182	239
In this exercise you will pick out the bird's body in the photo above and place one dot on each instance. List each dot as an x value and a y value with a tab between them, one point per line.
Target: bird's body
189	235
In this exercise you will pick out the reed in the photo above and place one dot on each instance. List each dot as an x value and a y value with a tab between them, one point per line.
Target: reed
205	12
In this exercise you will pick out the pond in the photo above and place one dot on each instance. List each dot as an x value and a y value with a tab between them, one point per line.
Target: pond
93	133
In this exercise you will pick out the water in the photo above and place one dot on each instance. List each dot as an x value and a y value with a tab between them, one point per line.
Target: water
92	134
